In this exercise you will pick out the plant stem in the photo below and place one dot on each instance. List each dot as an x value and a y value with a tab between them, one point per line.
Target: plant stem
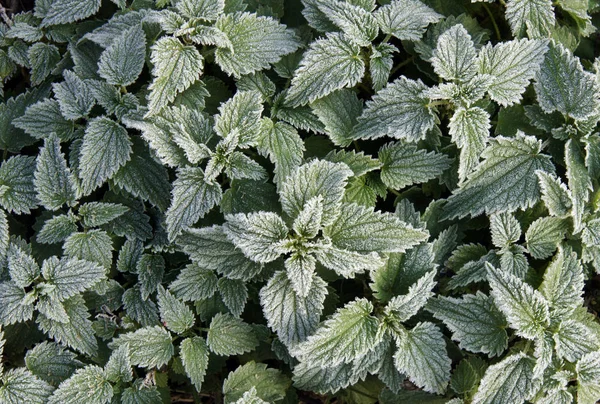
487	8
401	65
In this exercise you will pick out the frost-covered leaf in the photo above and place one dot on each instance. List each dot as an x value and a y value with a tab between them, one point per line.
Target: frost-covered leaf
175	315
475	322
544	235
534	17
406	19
53	180
355	22
239	117
422	356
98	213
57	229
229	335
193	197
401	110
140	394
150	269
504	181
118	367
293	318
360	163
256	42
205	9
300	269
455	55
364	230
258	234
71	276
194	283
562	85
69	11
380	64
22	267
74	96
43	58
284	146
308	222
43	118
88	385
17	184
144	311
347	263
580	183
122	62
470	129
93	245
505	229
270	384
148	347
555	194
329	64
13	308
106	147
404	164
19	386
512	65
176	68
588	378
234	294
250	397
401	308
526	309
194	356
338	111
574	339
348	334
51	362
508	381
591	233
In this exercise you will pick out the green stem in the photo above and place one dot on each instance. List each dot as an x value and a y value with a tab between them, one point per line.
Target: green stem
387	38
401	65
486	7
393	191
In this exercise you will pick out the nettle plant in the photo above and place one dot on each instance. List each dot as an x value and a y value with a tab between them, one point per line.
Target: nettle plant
268	201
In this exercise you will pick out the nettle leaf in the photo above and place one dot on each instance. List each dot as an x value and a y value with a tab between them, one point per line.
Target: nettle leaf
22	267
69	11
144	311
194	283
404	164
258	235
455	55
401	308
193	198
292	317
148	347
313	179
509	381
422	356
534	17
229	335
338	111
555	194
300	268
475	322
53	180
176	68
526	309
348	334
106	147
13	308
401	111
574	339
512	65
45	117
406	19
150	269
504	181
234	294
74	96
98	213
86	385
122	62
175	315
347	263
380	64
51	362
43	59
284	146
329	64
71	276
470	130
205	9
308	222
355	22
591	233
544	235
360	163
588	377
270	384
505	229
57	229
17	191
364	230
19	385
562	85
194	356
240	117
580	183
93	245
118	367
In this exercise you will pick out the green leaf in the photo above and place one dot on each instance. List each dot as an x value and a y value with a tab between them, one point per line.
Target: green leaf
256	42
77	332
69	11
194	356
574	339
150	269
45	117
406	19
175	315
292	317
148	347
141	394
74	96
240	117
355	22
505	181
588	378
13	307
470	129
300	268
193	197
401	111
106	147
401	308
194	283
563	284
143	311
404	164
555	194
270	384
475	322
347	335
526	309
508	381
53	180
591	233
364	230
93	245
71	276
98	213
380	64
258	235
122	62
19	386
250	397
284	146
234	294
359	163
536	17
207	10
51	362
88	385
176	68
229	335
505	229
467	375
562	85
118	367
544	235
579	180
57	229
329	64
313	179
347	263
422	356
22	267
43	59
17	183
455	55
512	65
338	111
